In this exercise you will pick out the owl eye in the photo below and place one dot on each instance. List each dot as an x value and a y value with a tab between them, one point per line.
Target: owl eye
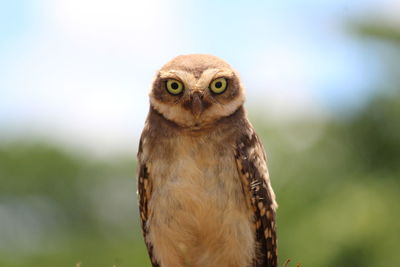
174	87
218	86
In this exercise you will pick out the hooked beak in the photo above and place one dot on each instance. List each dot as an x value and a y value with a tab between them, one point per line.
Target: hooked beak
197	104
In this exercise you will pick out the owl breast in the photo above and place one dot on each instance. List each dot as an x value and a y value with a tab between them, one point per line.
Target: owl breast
199	212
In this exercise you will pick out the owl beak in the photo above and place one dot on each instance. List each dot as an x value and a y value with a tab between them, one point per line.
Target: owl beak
197	104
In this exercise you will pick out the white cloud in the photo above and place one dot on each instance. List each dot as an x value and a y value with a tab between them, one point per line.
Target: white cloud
83	75
280	82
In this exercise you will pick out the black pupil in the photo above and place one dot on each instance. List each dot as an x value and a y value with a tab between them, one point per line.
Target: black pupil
174	86
218	84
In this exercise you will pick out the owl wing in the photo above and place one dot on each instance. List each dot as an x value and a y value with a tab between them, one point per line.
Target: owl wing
144	193
252	168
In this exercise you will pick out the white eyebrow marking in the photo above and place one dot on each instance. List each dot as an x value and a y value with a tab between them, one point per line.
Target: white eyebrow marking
191	82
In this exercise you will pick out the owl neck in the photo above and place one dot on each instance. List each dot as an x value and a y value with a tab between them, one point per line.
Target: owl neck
167	127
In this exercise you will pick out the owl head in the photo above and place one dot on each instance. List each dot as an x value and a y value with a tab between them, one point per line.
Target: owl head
196	91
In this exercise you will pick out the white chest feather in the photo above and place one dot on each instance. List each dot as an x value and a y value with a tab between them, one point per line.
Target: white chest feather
199	214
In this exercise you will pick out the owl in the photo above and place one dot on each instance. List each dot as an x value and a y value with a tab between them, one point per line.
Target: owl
205	198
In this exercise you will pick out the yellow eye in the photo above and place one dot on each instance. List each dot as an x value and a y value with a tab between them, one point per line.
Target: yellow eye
218	86
174	87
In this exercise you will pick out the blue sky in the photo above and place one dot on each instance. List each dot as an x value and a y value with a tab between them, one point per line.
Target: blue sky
79	71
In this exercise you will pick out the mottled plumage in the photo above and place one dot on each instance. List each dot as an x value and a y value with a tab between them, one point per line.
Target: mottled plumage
205	197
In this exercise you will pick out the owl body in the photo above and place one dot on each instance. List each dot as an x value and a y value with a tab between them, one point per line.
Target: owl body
202	202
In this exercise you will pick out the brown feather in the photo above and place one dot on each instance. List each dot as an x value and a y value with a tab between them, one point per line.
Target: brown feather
251	164
144	193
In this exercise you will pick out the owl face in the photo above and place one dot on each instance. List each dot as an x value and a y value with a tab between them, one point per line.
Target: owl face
195	91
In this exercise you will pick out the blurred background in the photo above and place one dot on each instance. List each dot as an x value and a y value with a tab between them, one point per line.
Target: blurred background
323	91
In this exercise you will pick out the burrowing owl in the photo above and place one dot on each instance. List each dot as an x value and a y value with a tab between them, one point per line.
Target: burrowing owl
205	197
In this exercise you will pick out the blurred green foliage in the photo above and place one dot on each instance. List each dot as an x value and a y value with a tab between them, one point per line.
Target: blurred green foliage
337	182
58	209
